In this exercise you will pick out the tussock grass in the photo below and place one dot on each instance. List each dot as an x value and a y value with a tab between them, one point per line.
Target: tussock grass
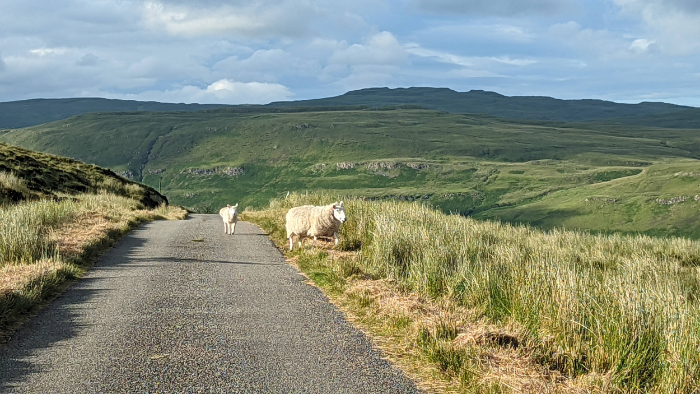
45	244
9	181
12	188
605	313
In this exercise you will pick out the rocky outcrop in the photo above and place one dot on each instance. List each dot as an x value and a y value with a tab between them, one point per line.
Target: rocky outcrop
225	171
345	165
671	201
128	174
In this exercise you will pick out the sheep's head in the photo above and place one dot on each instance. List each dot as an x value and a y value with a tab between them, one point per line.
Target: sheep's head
232	209
339	212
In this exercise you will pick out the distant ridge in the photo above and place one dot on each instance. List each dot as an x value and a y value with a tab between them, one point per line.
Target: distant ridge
25	113
492	103
17	114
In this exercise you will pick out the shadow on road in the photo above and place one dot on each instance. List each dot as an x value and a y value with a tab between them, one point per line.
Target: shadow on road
59	321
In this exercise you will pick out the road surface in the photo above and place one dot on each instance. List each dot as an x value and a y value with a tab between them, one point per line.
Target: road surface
179	306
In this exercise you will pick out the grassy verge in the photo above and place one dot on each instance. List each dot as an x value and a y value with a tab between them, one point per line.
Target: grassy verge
463	305
45	244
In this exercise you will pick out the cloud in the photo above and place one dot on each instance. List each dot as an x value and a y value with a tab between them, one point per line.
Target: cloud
674	24
267	65
642	45
365	76
48	51
2	64
464	61
493	7
89	59
252	20
224	91
381	49
591	43
440	56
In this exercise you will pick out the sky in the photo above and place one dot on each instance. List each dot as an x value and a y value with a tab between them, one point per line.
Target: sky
258	51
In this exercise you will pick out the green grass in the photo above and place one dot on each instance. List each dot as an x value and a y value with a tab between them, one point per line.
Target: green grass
26	113
621	307
530	172
624	205
34	268
29	175
56	216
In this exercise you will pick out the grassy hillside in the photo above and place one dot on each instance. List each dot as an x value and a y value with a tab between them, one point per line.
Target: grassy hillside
474	306
24	113
685	119
491	103
56	216
469	164
664	199
28	175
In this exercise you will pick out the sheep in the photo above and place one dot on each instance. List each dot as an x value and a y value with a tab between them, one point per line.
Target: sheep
313	221
230	216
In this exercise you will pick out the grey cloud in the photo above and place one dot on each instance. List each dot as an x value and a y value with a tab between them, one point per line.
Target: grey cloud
493	7
250	20
88	60
2	64
691	6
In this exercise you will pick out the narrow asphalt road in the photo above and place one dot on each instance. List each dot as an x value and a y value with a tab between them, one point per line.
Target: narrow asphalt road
178	306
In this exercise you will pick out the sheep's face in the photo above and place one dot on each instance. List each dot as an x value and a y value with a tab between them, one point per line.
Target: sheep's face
232	209
339	212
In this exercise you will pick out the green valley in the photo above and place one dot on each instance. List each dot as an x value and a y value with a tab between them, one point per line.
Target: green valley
603	176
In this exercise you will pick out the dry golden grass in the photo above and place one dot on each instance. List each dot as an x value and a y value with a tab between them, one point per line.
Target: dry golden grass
499	364
14	278
76	234
9	181
470	306
510	368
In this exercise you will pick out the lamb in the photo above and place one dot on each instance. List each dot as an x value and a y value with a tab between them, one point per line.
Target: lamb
313	221
230	216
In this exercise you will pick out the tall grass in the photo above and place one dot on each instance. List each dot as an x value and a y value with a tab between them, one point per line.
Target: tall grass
31	267
24	230
9	181
626	307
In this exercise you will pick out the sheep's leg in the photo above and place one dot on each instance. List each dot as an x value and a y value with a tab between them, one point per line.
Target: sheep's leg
315	238
225	228
335	236
291	242
233	228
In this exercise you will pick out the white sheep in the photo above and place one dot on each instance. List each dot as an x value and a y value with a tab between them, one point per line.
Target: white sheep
313	221
230	216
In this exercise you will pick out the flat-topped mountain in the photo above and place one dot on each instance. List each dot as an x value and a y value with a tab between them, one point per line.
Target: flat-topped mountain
491	103
16	114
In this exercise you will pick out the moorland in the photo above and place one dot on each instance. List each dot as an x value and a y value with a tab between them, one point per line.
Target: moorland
594	165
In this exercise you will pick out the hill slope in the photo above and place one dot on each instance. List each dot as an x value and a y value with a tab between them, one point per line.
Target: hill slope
15	114
470	164
49	176
34	112
490	103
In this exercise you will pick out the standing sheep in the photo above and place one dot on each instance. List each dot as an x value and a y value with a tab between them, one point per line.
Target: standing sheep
313	221
230	216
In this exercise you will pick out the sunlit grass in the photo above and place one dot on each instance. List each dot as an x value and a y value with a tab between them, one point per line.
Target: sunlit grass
43	244
619	313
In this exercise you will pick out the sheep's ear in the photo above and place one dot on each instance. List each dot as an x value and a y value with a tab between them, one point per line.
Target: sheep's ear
236	206
341	203
228	205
